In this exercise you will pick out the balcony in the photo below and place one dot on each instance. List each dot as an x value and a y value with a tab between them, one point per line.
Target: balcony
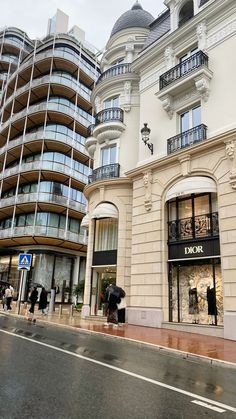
116	70
184	68
201	226
108	124
192	73
186	138
105	172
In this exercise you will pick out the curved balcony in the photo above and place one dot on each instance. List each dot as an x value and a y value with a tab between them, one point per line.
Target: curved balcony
53	79
73	58
46	166
16	43
108	124
105	172
116	70
43	107
46	135
43	197
43	231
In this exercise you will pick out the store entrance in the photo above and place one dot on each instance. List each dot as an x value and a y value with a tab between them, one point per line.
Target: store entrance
195	292
102	277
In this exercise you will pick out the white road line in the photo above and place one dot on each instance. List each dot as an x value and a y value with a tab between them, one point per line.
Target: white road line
208	406
131	374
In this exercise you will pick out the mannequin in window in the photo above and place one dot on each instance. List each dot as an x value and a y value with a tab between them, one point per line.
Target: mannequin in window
211	300
193	301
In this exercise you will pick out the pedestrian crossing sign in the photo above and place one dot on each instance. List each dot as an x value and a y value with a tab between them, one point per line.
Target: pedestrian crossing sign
24	261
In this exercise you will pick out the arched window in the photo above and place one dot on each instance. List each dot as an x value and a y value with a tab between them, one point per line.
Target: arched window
186	12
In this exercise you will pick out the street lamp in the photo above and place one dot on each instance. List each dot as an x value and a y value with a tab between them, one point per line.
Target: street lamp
145	132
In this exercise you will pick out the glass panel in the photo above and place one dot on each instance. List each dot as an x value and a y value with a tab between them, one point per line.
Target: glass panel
106	236
53	220
196	116
184	122
185	208
172	211
113	155
104	156
201	205
62	277
41	218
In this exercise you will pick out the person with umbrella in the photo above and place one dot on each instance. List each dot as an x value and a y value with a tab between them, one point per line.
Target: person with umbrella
112	298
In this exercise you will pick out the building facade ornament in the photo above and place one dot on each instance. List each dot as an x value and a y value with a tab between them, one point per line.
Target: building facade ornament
167	104
221	34
230	150
169	57
126	97
98	104
147	183
203	87
185	163
202	36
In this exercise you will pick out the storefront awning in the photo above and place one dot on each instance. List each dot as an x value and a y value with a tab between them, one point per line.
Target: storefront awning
105	210
85	221
194	184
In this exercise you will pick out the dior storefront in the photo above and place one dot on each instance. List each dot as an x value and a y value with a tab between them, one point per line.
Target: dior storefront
195	281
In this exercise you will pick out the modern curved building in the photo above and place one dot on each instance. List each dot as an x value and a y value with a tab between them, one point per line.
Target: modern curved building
161	197
45	113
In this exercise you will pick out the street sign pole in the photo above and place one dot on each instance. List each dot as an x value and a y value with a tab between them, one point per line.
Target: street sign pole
20	290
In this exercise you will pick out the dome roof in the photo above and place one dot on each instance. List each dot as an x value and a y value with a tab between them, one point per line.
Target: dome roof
136	17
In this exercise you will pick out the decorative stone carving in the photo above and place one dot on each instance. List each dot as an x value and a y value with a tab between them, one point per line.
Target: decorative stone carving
129	49
221	34
167	104
185	165
98	104
230	150
202	36
147	182
202	86
126	97
169	57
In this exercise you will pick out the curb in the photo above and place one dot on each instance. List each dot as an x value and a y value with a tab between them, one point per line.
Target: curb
162	349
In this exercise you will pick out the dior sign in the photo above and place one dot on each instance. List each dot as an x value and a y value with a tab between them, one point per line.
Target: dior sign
193	250
199	249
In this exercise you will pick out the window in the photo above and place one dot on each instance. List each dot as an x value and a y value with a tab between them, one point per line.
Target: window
106	235
108	155
112	102
188	61
186	12
188	121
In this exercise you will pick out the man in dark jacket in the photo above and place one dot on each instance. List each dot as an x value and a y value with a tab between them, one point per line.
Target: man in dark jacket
33	299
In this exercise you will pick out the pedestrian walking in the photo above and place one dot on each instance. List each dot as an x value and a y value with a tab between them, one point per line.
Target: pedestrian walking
8	296
112	312
33	299
43	301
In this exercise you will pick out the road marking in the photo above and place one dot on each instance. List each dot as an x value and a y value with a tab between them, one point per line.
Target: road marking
208	406
131	374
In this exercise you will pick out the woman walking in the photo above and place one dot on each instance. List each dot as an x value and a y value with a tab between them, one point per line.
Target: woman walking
43	301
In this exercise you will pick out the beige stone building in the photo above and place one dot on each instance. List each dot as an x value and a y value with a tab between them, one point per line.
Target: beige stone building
162	199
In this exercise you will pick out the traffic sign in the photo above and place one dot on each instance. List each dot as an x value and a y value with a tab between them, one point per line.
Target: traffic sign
24	261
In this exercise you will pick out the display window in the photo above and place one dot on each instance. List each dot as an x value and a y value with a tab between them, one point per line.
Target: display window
195	292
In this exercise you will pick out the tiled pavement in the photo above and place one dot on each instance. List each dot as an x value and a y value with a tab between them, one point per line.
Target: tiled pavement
212	349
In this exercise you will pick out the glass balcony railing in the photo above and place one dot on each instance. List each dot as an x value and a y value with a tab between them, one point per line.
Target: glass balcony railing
200	226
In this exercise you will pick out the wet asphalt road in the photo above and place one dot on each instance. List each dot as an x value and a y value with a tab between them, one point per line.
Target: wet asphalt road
54	372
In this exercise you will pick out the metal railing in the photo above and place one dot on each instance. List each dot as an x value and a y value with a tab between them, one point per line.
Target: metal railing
185	67
110	114
186	138
116	70
105	172
201	226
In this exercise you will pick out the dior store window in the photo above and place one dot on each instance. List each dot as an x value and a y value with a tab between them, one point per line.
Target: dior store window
195	281
195	292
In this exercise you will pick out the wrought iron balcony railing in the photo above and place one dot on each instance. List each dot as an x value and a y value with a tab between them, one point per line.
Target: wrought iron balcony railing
201	226
110	114
105	172
186	138
185	67
116	70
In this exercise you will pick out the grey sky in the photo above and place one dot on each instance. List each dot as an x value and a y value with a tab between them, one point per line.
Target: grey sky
95	17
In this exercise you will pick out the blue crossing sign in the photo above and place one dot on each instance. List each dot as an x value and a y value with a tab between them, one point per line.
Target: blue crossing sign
24	261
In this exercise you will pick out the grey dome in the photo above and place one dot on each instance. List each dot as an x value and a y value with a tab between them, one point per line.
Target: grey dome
136	17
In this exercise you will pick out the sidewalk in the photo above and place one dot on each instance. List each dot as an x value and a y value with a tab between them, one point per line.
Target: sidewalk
211	349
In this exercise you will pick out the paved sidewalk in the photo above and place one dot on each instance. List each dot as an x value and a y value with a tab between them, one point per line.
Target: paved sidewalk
211	349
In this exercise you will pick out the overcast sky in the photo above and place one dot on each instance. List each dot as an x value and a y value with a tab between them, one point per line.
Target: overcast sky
95	17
